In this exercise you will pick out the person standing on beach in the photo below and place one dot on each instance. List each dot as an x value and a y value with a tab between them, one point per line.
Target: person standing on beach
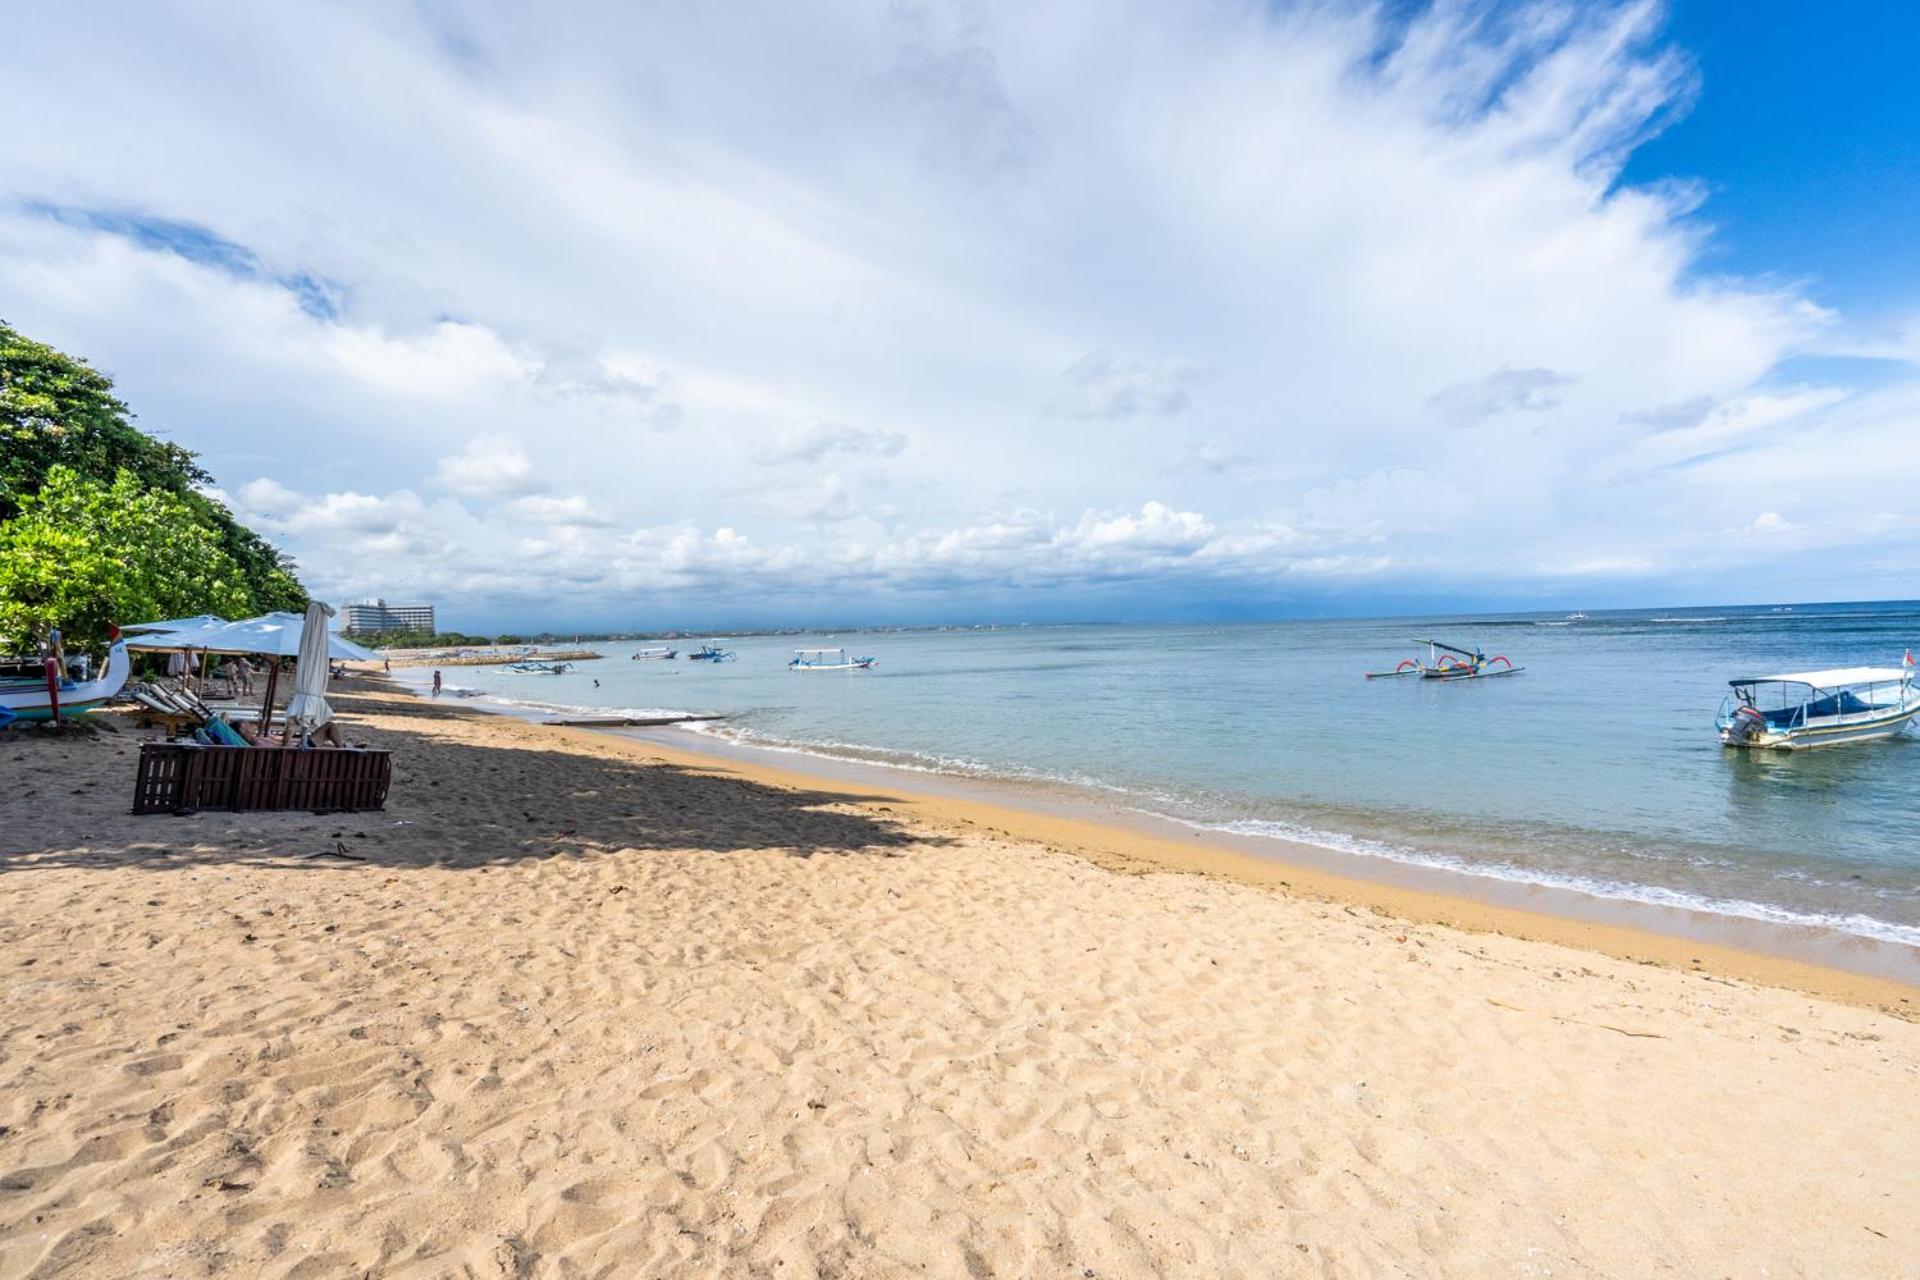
436	684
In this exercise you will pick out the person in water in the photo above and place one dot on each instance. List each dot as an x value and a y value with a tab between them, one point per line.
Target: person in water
436	684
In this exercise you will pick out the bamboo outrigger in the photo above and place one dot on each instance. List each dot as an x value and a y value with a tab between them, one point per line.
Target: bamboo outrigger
1454	664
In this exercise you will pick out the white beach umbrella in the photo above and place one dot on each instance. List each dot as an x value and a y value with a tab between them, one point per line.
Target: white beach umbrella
273	635
308	710
175	624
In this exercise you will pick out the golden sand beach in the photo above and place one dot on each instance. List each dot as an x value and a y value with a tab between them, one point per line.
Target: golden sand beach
574	1005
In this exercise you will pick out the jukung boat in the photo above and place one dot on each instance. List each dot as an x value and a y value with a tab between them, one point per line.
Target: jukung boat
28	699
711	652
1453	664
539	668
656	654
827	660
1805	709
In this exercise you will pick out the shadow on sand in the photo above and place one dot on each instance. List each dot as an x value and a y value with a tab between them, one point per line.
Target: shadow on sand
455	803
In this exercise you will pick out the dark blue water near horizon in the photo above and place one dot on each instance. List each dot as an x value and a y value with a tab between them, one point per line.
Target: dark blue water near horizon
1595	768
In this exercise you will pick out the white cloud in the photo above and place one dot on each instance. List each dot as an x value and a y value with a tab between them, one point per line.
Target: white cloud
1099	386
445	361
573	510
819	440
1502	391
1218	458
491	466
1308	295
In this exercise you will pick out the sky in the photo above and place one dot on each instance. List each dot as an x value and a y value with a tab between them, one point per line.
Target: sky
678	315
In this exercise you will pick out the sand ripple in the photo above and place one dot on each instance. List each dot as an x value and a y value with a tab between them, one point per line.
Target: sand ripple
586	1017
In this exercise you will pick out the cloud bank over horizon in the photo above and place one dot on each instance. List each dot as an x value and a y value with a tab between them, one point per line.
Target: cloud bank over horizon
883	312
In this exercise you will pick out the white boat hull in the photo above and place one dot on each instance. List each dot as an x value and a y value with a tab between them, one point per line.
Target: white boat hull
1827	735
76	699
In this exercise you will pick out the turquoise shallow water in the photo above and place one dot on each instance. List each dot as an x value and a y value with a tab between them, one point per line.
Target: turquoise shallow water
1596	768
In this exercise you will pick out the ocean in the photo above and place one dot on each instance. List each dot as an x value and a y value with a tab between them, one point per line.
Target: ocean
1596	769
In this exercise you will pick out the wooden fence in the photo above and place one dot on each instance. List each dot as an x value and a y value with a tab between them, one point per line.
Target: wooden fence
182	777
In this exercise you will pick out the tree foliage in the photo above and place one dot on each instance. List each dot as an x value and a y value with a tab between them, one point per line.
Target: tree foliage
419	640
82	556
101	523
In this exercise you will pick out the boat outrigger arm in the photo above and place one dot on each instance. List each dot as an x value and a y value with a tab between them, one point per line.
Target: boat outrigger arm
1454	664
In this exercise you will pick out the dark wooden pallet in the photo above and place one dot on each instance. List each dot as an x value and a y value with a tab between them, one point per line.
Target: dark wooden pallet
183	777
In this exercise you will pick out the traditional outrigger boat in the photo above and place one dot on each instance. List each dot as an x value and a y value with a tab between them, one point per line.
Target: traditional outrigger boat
827	660
1819	708
29	699
539	668
1453	664
711	652
656	654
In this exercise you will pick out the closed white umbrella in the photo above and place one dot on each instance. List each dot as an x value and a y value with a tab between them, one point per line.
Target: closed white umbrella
308	711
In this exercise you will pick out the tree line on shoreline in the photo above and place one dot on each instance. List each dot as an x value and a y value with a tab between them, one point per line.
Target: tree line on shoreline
102	524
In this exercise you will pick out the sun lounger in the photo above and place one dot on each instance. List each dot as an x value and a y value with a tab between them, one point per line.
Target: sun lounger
184	698
156	706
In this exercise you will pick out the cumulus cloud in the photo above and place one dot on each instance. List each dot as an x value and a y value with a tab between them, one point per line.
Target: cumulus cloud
573	510
491	466
1379	258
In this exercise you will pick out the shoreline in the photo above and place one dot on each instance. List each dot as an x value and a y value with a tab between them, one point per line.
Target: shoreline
1847	967
1130	845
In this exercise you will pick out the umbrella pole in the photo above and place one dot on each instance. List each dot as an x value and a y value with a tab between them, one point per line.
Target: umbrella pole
266	708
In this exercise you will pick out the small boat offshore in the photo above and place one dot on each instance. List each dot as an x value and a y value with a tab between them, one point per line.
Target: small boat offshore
1802	709
657	654
711	652
827	660
1450	662
540	668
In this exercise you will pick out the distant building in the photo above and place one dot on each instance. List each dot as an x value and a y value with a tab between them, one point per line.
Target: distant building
378	615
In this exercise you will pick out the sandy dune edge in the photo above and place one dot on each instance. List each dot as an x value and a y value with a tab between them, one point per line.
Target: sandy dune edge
587	1015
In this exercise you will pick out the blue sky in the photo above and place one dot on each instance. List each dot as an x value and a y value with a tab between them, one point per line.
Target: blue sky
1806	132
670	316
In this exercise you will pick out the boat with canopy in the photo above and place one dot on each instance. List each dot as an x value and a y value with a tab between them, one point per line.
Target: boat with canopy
1450	662
1802	709
656	654
827	660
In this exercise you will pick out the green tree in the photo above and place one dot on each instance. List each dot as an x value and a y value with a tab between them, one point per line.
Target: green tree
82	556
59	417
58	411
419	640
